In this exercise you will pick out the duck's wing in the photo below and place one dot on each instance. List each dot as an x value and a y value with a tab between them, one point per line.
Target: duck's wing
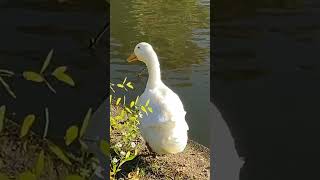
167	108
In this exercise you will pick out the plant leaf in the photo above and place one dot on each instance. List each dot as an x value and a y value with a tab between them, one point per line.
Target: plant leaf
120	85
2	116
27	175
59	153
104	147
27	123
137	99
85	123
143	109
131	104
32	76
128	110
118	101
128	154
73	177
40	164
147	103
3	177
71	135
60	74
46	62
129	85
150	109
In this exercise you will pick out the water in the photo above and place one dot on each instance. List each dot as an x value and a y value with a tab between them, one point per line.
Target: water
179	33
35	28
266	71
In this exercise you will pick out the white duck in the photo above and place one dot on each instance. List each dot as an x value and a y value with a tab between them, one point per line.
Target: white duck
165	129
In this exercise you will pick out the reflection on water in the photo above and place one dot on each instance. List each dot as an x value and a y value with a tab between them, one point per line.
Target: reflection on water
179	33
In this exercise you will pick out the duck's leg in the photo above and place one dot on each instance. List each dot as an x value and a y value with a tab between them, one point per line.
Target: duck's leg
154	155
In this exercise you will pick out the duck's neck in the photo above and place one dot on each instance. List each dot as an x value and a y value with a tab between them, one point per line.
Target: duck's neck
154	72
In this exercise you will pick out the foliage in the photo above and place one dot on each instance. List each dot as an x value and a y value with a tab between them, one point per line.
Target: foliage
87	161
124	122
27	123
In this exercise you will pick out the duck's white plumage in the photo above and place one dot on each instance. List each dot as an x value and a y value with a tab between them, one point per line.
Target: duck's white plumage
165	129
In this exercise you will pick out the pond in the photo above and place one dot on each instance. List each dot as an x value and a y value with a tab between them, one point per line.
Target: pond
179	33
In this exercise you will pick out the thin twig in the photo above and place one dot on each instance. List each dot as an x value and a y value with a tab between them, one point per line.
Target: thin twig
5	75
95	40
7	88
47	123
6	71
49	86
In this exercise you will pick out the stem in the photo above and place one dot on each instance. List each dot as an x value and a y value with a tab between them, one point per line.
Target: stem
7	88
47	123
49	86
5	75
94	41
6	72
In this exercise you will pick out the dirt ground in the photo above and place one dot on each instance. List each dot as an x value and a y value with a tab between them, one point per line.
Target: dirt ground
192	163
16	158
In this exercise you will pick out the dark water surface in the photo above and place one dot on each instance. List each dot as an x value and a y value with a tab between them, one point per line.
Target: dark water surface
29	29
265	73
179	32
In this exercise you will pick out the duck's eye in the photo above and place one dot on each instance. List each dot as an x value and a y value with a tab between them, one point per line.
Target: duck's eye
138	47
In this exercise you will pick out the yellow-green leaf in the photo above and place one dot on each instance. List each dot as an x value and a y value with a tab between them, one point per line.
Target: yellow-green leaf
3	177
131	104
40	164
32	76
147	103
2	116
104	147
129	85
110	99
71	135
73	177
128	110
128	154
59	153
122	113
143	109
46	62
137	99
27	123
150	109
27	176
60	74
118	101
120	85
85	123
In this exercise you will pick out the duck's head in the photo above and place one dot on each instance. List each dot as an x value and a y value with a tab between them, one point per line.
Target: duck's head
143	52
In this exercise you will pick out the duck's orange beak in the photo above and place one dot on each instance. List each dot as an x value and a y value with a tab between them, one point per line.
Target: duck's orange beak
132	58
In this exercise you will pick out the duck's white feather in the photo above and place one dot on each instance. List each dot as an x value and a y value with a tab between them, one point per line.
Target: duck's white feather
165	129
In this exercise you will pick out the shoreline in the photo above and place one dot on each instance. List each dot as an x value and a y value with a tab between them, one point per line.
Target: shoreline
192	163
